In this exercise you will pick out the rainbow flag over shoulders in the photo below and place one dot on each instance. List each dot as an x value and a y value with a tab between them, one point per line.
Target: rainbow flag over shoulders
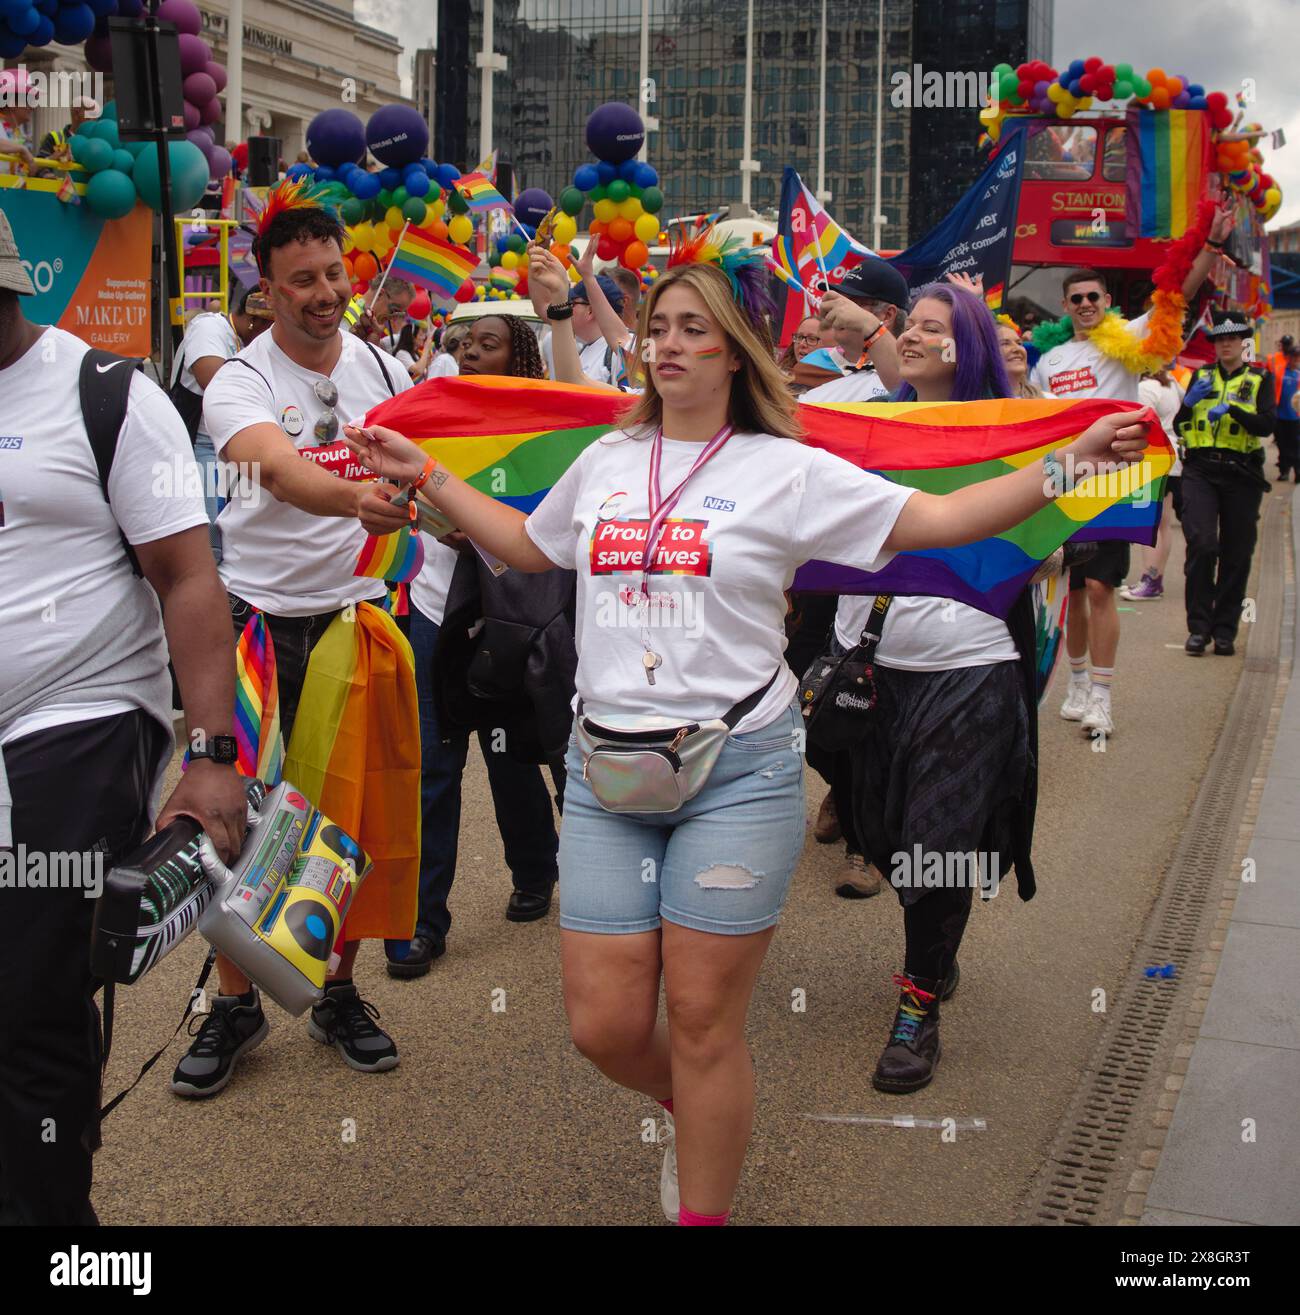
1167	159
480	193
513	438
425	260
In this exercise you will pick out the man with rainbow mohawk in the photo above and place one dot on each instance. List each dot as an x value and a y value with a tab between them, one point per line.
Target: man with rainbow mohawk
290	539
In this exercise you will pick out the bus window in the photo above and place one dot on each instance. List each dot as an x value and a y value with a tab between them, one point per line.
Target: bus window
1114	157
1063	152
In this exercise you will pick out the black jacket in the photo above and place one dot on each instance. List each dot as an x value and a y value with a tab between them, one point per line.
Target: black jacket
506	658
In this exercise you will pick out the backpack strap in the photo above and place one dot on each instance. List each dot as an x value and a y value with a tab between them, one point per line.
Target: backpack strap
104	387
383	369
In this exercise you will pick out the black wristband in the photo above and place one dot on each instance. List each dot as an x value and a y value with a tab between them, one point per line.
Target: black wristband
1218	246
563	312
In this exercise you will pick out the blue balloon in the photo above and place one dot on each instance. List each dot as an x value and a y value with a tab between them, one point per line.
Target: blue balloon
429	166
647	175
628	169
295	171
390	178
605	171
416	182
43	33
324	174
74	25
1198	103
1195	89
1076	87
47	7
1077	68
11	46
24	21
446	174
585	177
129	8
102	8
365	187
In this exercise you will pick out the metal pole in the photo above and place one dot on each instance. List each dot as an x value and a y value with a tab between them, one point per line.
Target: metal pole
643	75
235	72
878	219
748	166
486	81
821	118
169	283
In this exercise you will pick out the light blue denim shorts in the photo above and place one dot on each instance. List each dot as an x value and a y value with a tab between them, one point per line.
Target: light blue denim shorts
721	863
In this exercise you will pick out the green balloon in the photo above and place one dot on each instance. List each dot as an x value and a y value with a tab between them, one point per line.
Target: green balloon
377	210
1009	86
415	210
352	211
1003	70
385	198
123	161
597	193
1123	90
189	175
136	147
97	154
1141	86
618	190
652	200
515	243
1123	72
572	201
400	196
110	194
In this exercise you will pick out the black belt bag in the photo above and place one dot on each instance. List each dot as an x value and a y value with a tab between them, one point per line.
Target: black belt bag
837	693
642	769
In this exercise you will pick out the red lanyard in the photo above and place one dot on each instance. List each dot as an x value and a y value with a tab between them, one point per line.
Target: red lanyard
660	508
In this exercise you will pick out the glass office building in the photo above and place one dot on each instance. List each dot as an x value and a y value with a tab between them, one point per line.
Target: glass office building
566	57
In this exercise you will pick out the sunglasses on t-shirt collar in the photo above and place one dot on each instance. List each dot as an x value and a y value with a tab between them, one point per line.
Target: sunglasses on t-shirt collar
1078	298
326	429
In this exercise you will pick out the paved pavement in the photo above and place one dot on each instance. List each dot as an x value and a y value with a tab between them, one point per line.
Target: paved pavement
1232	1154
493	1118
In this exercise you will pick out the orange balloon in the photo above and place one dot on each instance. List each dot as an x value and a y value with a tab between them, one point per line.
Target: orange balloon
1160	98
366	266
1156	77
439	230
348	268
597	228
620	230
1173	85
635	255
560	252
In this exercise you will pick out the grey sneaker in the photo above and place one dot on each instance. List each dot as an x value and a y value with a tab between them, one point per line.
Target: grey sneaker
345	1021
224	1036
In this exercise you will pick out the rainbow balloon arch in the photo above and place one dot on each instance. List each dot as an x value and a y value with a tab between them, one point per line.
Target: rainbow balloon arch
1036	88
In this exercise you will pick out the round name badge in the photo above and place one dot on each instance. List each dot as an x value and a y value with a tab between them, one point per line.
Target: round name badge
291	421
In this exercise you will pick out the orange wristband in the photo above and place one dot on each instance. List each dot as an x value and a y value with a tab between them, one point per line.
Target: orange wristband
429	467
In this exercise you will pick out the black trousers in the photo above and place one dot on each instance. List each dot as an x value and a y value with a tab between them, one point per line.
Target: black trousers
933	927
1287	434
1220	516
75	788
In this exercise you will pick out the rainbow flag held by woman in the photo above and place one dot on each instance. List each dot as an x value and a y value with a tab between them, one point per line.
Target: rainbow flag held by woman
1167	158
513	438
397	557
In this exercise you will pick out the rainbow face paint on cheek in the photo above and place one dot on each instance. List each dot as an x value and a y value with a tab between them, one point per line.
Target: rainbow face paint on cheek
708	353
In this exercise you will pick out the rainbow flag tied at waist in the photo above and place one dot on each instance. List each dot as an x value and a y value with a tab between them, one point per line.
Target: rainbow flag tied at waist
513	438
354	750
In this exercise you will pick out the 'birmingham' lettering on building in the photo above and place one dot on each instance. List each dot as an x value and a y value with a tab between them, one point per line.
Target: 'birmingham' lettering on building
24	869
918	88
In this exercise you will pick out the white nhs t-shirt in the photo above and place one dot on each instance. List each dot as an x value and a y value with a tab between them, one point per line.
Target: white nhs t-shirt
1077	370
282	559
758	509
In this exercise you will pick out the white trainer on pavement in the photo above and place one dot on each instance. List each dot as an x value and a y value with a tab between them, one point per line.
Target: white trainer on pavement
670	1196
1076	701
1097	720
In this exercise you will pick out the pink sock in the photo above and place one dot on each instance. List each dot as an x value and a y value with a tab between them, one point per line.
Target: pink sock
688	1219
667	1104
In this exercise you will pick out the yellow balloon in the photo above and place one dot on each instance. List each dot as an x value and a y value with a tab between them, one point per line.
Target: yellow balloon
1063	111
630	209
383	244
363	237
523	261
1056	92
566	227
509	260
647	229
436	208
393	217
606	210
349	243
460	229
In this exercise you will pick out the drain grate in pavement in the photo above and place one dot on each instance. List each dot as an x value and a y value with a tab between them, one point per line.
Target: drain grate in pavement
1084	1177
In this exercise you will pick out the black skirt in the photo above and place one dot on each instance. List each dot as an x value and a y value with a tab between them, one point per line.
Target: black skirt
944	767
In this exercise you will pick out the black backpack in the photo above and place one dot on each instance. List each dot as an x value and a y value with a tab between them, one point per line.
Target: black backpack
104	385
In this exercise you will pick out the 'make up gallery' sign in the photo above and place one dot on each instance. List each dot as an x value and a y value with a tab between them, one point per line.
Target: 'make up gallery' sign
257	37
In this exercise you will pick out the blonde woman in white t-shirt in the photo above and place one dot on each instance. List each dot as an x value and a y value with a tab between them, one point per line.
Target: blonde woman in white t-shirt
691	897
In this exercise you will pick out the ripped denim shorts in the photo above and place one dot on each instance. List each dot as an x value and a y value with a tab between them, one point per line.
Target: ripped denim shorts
721	863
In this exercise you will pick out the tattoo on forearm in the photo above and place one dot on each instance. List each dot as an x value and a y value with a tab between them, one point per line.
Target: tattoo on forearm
439	477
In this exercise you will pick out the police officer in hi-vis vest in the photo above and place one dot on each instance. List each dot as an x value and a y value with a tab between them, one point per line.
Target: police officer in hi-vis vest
1228	411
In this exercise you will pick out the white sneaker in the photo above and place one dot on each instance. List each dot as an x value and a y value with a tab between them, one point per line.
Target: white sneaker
670	1196
1076	701
1097	720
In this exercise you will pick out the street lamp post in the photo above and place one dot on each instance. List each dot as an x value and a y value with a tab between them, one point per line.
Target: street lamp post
748	165
488	62
878	219
822	194
235	72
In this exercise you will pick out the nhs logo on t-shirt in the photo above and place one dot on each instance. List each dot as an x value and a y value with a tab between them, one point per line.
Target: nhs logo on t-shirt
718	504
10	442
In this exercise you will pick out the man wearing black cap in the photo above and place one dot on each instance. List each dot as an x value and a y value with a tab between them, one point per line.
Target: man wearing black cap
1228	411
865	312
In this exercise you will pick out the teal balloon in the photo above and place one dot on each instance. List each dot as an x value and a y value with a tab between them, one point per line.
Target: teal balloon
415	210
77	145
123	161
189	176
136	147
110	109
96	154
352	211
108	132
110	194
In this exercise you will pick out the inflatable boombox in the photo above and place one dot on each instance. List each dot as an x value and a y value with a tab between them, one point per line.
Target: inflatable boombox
276	912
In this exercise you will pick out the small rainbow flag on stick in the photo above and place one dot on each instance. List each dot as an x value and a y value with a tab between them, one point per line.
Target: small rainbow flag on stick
481	195
1167	155
425	260
395	557
513	438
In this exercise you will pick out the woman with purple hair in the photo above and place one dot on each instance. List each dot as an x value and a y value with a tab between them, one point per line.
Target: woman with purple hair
944	782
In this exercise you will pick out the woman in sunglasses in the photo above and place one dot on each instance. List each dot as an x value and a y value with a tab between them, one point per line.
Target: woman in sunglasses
684	527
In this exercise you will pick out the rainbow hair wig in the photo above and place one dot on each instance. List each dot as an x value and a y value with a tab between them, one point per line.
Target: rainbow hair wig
744	267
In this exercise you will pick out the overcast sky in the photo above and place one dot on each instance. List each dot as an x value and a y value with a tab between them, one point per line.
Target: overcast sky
1219	43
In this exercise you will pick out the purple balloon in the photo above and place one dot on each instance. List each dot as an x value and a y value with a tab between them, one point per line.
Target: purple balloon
199	89
202	138
212	112
99	54
220	161
192	119
1040	90
217	72
183	13
1182	100
196	54
615	132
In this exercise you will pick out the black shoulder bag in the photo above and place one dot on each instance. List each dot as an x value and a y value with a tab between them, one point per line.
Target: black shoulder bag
837	693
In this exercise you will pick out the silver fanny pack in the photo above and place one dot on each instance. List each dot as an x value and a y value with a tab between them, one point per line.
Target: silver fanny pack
643	769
